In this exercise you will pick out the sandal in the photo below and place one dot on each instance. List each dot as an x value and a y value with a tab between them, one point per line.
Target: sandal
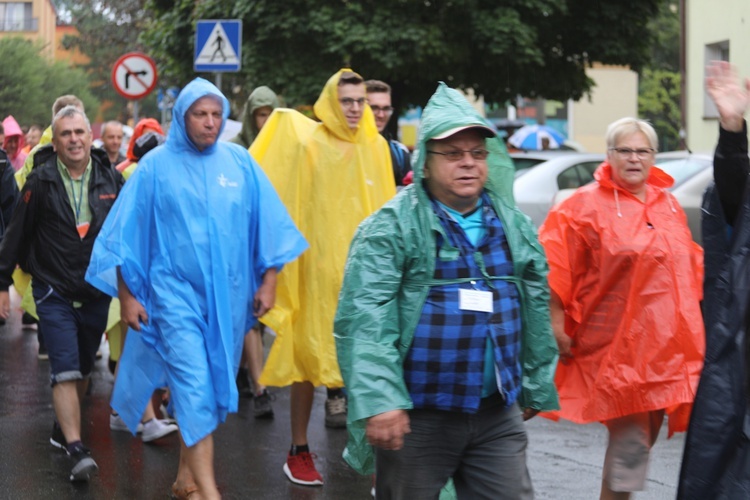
183	493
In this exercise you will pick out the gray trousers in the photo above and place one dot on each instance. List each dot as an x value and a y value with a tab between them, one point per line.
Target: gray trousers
484	453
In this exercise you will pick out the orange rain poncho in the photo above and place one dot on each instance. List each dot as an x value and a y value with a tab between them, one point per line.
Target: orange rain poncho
329	177
630	279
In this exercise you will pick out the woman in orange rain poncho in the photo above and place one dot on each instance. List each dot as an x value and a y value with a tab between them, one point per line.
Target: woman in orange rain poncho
626	281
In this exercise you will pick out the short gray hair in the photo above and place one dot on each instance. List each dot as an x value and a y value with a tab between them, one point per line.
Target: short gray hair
111	123
69	111
627	127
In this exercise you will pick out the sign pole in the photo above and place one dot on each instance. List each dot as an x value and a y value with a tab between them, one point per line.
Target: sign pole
218	81
135	112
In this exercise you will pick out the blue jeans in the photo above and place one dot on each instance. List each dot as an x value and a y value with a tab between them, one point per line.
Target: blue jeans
72	334
484	453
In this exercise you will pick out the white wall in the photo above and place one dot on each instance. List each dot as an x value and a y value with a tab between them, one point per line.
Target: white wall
712	22
615	96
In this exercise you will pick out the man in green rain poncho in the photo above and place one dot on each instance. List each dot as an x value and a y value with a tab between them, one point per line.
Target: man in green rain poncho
443	329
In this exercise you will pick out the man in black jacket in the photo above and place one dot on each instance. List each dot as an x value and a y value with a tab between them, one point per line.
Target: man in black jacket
51	234
717	446
379	99
8	196
8	192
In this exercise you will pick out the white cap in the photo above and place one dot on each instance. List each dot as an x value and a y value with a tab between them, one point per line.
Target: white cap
488	132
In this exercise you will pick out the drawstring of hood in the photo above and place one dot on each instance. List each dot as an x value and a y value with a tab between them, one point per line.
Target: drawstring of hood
666	194
617	203
669	200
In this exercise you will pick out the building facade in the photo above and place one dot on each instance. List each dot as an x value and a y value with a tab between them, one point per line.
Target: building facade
33	20
713	31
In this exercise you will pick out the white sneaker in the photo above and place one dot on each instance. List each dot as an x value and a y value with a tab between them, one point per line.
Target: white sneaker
117	424
155	429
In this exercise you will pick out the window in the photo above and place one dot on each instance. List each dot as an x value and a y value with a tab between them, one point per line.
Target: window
714	52
16	16
577	176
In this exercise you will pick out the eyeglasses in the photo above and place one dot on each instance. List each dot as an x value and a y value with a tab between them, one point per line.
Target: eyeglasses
348	102
642	154
457	154
387	110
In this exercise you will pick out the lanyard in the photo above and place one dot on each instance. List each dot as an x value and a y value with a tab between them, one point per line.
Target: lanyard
77	204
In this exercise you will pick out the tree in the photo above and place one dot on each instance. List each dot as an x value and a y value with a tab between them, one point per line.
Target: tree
659	103
500	49
659	83
107	29
29	89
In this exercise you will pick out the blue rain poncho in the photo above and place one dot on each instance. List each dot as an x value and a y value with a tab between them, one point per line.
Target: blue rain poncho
192	233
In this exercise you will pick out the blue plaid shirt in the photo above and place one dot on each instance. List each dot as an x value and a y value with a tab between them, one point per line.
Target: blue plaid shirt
444	367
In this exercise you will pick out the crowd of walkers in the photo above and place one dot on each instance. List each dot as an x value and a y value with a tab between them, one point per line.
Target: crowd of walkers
435	315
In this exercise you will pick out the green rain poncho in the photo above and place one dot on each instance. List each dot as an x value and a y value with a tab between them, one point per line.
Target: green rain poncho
389	272
258	98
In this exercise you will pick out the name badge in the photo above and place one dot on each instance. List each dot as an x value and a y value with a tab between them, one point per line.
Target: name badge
475	300
83	229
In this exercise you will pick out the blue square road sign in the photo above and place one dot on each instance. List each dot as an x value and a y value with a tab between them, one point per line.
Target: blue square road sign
218	45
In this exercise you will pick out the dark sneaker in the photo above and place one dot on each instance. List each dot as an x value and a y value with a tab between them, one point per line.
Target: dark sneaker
300	469
83	465
27	319
58	438
243	383
262	405
42	354
336	412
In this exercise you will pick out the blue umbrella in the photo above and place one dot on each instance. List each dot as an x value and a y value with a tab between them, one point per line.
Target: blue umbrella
530	137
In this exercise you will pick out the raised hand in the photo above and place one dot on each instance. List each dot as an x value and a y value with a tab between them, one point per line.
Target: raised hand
729	94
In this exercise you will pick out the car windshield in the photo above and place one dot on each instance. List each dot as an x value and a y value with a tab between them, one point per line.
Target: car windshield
683	169
524	164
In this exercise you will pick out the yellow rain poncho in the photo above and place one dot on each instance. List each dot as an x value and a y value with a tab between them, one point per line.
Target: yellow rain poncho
330	177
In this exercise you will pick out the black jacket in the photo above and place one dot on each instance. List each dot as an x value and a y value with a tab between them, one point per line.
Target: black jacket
400	159
8	192
716	462
42	236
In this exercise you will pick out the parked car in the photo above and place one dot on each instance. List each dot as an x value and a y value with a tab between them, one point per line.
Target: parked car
536	188
692	173
524	160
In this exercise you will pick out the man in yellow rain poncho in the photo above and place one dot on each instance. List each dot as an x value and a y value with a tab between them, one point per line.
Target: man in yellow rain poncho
330	176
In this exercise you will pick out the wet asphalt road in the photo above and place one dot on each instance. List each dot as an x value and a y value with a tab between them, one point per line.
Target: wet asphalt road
564	459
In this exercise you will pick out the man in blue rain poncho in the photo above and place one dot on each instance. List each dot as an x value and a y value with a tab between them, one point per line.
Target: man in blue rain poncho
192	249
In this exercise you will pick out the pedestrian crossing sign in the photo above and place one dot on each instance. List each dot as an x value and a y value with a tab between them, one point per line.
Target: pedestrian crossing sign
218	45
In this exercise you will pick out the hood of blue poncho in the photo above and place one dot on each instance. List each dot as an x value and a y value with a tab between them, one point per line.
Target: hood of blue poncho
178	139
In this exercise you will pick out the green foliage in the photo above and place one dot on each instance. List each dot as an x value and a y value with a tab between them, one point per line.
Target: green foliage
659	84
32	83
500	49
665	51
107	30
659	103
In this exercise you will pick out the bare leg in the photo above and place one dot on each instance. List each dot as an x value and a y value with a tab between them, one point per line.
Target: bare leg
254	353
67	405
184	474
197	467
301	400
